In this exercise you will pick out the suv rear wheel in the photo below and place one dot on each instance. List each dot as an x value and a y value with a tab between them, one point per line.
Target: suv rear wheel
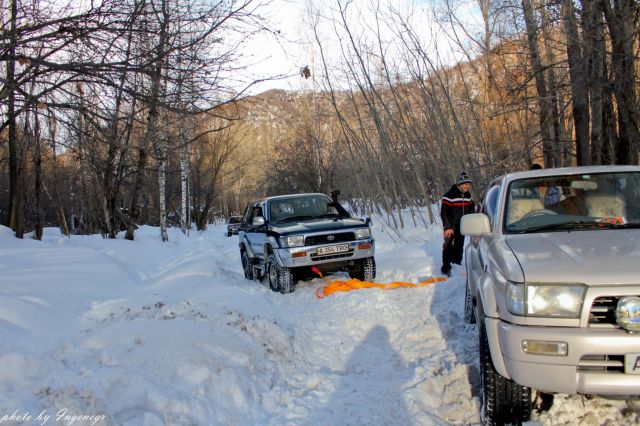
364	269
280	277
503	400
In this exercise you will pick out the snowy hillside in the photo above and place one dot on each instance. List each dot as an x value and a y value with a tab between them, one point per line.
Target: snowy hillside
151	333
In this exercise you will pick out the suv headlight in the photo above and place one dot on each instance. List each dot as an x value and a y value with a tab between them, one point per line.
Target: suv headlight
362	233
292	241
545	300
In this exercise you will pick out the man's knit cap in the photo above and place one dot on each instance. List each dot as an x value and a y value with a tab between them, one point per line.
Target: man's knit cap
463	177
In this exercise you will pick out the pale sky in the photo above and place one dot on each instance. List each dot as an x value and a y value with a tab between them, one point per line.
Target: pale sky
285	54
295	47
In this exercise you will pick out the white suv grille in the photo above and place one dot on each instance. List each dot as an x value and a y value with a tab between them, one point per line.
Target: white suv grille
603	311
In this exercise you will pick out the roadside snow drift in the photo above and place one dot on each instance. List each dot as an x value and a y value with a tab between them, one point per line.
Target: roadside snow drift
114	332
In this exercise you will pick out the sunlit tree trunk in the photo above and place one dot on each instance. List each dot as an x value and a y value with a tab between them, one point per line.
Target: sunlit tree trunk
579	90
620	16
593	56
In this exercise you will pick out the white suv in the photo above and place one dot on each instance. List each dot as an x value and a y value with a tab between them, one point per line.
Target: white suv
554	285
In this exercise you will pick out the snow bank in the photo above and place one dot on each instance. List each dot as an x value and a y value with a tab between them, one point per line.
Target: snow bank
6	232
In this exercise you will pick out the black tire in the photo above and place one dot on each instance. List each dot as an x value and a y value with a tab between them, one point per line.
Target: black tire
280	278
229	234
364	269
503	400
246	265
469	314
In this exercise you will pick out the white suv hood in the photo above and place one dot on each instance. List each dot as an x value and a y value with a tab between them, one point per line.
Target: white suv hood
593	257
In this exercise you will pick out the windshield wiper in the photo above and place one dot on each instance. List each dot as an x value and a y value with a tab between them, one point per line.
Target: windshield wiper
562	225
294	218
578	225
336	215
622	225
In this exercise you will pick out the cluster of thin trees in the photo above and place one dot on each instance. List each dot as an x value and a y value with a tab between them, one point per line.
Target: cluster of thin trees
393	120
126	112
111	108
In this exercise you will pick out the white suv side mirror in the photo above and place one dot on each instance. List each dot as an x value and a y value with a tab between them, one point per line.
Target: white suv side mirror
258	221
475	225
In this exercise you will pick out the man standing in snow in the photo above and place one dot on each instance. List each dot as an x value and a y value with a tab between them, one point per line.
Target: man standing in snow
455	203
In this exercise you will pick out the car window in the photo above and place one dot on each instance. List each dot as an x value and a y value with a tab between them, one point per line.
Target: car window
234	219
256	211
247	213
309	206
542	203
490	203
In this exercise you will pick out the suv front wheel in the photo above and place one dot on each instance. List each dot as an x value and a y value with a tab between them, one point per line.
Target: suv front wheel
469	314
280	277
364	269
503	400
246	265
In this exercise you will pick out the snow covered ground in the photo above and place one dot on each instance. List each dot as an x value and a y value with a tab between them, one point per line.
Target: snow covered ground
96	331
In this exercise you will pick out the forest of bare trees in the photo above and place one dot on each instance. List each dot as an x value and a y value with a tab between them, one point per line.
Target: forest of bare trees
122	113
551	82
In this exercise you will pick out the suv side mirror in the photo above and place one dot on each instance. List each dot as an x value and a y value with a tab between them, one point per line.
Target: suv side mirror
475	225
258	221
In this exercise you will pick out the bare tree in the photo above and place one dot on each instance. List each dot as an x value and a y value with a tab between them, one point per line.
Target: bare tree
579	86
622	17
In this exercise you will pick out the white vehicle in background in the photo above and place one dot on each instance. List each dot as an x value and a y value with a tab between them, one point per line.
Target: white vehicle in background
554	285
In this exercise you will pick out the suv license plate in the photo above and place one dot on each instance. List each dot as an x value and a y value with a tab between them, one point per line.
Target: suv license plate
340	248
632	363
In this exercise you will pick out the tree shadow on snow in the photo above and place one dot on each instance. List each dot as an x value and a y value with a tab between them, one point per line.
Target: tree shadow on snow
461	339
369	390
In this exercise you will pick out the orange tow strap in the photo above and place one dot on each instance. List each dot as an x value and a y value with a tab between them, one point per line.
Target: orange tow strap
356	284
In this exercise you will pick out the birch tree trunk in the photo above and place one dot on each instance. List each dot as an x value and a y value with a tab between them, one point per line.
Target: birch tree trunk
151	132
185	219
161	153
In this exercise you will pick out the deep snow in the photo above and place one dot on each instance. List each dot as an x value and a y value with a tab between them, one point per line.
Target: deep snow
151	333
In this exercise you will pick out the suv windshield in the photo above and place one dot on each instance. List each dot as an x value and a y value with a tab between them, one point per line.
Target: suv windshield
300	208
581	201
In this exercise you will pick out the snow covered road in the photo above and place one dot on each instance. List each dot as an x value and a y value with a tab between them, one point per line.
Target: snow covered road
151	333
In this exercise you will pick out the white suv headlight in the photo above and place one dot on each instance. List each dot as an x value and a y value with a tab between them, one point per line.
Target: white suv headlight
292	241
555	300
545	300
362	233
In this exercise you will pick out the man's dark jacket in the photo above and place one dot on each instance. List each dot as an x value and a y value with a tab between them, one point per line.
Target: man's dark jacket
455	204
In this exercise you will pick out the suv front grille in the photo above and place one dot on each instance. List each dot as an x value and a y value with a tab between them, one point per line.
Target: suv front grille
603	311
602	363
316	240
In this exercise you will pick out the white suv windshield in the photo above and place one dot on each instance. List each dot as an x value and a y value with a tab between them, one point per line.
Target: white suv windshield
300	208
589	201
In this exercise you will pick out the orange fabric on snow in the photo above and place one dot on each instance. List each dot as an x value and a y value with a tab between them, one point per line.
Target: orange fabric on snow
356	284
